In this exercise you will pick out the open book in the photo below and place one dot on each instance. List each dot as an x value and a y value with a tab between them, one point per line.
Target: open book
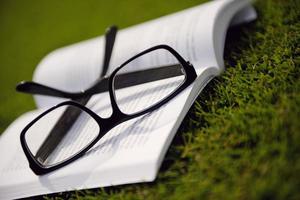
133	151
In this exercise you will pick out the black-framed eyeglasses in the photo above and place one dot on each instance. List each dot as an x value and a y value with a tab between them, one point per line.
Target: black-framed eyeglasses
68	130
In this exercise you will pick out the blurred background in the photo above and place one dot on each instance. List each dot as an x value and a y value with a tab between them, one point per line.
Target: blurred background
29	30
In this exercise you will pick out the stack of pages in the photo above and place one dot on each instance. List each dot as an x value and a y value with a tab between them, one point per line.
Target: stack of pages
133	151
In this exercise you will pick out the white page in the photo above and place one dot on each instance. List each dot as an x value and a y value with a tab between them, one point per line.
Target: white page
132	152
191	32
129	153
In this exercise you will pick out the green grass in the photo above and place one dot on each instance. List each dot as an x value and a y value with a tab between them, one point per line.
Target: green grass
241	138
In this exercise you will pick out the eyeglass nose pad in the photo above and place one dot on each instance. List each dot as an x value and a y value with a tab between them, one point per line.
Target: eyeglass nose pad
190	64
115	109
182	70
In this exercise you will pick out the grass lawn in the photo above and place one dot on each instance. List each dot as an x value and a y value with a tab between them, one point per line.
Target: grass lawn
241	138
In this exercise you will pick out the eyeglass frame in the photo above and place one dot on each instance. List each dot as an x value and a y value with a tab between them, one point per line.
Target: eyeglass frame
117	116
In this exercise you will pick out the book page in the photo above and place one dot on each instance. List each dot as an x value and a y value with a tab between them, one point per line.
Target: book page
129	153
191	32
132	151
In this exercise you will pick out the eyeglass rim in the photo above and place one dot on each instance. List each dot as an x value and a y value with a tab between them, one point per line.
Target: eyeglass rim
117	116
188	78
34	164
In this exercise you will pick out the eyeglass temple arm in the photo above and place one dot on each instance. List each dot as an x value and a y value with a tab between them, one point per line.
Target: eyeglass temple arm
124	80
37	88
110	37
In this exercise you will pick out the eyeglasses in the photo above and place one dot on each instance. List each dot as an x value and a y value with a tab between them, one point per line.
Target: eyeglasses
142	84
